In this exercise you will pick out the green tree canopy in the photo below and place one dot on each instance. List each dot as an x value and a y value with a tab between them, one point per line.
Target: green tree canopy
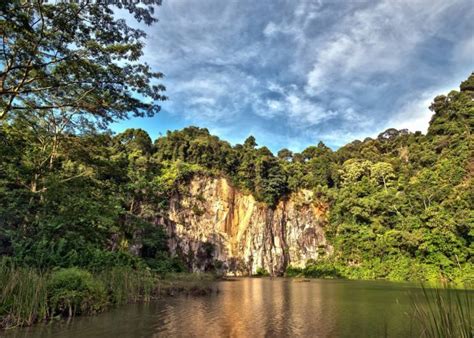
75	62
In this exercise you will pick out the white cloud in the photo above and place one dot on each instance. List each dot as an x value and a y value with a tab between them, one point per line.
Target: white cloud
376	39
306	71
275	106
270	29
213	97
294	25
305	112
414	113
298	110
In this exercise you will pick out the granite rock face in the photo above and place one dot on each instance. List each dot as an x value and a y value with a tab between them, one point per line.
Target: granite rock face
214	225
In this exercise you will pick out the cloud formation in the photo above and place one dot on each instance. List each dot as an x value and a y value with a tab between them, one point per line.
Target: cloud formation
295	72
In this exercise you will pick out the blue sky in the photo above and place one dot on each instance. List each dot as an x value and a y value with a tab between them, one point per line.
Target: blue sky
293	73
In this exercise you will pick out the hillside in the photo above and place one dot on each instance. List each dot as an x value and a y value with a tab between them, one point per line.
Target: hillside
398	206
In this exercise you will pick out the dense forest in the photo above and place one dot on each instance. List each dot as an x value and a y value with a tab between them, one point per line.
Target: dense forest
400	204
73	194
83	210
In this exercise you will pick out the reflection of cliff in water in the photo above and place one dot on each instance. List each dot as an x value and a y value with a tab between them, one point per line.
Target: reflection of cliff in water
256	307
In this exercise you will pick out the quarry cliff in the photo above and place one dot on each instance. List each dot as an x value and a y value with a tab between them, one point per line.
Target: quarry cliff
212	224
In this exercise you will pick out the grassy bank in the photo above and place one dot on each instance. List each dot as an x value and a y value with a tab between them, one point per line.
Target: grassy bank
29	296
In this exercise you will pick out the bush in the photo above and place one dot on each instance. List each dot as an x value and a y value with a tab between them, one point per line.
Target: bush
28	295
74	291
163	264
314	269
261	272
125	285
322	270
98	259
71	252
292	271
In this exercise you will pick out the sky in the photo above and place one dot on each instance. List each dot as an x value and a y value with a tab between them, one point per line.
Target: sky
293	73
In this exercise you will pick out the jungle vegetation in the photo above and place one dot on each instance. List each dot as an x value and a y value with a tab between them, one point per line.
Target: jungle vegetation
400	204
75	195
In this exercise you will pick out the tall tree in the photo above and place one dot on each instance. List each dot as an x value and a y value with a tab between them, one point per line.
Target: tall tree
75	62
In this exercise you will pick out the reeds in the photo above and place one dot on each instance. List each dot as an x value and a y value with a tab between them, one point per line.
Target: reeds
28	296
23	297
444	312
126	286
195	284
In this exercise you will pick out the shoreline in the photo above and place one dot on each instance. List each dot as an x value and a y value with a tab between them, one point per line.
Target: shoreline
173	285
30	297
183	286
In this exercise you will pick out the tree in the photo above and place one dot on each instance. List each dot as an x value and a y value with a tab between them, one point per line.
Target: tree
285	154
136	141
353	170
270	180
382	172
318	164
454	113
468	85
75	62
250	142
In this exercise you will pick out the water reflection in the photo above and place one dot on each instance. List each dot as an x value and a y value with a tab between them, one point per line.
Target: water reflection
255	308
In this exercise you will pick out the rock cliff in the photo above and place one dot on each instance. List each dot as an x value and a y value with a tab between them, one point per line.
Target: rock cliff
212	224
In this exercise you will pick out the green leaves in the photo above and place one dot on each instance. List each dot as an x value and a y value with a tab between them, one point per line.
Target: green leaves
406	198
75	60
400	205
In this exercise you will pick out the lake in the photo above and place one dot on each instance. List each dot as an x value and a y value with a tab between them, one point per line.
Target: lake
256	307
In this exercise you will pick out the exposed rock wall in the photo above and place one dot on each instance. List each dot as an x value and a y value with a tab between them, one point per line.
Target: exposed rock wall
214	224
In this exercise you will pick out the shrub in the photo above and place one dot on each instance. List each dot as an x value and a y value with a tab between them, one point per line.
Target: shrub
261	272
292	271
314	269
74	291
163	264
322	270
98	259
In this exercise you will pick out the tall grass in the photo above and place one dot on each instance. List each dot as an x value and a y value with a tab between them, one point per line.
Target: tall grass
29	296
444	312
23	298
125	285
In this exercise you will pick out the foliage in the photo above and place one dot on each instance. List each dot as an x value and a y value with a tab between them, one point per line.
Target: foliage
124	285
261	272
292	271
164	263
73	291
72	63
315	269
400	205
23	297
319	270
403	207
28	295
98	198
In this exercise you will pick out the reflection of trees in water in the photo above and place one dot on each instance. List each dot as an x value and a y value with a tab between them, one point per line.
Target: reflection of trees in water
256	307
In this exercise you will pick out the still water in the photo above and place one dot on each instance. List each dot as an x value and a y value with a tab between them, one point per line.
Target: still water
256	307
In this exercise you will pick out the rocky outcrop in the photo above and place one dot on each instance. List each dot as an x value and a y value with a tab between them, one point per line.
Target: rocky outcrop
214	225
